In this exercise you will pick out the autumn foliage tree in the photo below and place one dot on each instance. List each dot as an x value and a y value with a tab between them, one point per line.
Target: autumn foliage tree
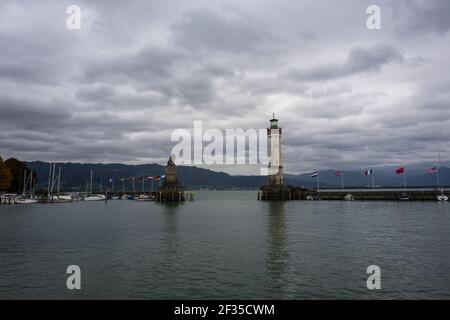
6	176
18	169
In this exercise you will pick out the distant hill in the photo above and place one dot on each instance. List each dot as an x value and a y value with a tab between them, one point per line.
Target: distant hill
75	176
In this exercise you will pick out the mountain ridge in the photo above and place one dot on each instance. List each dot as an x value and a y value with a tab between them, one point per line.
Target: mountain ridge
75	176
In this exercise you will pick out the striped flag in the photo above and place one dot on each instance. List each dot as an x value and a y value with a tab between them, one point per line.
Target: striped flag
432	170
338	173
314	174
368	172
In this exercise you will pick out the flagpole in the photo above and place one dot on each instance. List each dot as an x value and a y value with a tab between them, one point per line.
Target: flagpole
404	178
342	180
373	180
437	175
318	187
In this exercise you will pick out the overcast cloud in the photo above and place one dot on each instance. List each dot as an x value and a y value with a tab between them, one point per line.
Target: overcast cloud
114	91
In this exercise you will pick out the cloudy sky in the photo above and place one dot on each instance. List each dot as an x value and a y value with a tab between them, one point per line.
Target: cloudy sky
347	97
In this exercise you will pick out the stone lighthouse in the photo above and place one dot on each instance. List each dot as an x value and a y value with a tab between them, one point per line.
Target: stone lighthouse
274	146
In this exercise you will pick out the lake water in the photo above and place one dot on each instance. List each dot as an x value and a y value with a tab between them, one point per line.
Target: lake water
225	245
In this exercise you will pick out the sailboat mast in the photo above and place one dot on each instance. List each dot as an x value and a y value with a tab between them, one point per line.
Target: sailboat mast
53	177
31	184
24	181
49	177
59	179
438	177
91	183
34	186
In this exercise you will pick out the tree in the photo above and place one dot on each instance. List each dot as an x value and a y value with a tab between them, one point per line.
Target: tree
17	169
6	176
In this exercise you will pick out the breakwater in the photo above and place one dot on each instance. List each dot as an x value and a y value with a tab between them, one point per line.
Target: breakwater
294	193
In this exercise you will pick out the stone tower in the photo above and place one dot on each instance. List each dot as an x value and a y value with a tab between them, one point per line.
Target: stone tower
170	191
171	173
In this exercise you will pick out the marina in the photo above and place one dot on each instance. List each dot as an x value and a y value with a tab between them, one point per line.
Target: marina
224	159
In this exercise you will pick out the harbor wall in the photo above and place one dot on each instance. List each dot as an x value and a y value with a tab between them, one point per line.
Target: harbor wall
295	193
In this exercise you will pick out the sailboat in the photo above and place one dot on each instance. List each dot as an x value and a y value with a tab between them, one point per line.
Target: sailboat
24	198
94	197
58	197
442	197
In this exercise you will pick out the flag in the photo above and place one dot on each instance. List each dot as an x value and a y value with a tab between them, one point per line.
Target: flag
157	178
368	172
122	179
150	178
132	178
432	170
400	170
163	177
338	173
110	180
315	174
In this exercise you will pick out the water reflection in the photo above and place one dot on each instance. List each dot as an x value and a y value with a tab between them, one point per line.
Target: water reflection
277	256
170	241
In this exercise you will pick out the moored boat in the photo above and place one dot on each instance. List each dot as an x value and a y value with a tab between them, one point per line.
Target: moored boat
61	198
404	197
27	197
95	197
442	197
145	197
349	197
22	200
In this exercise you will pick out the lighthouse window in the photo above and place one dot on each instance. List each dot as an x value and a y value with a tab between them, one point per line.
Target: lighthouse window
274	123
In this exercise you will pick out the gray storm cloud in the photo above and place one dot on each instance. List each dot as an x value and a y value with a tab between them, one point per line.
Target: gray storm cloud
114	91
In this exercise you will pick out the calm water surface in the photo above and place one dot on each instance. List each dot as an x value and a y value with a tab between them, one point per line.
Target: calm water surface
225	245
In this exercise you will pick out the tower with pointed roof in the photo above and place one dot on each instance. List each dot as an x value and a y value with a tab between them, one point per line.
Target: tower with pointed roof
171	172
170	191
